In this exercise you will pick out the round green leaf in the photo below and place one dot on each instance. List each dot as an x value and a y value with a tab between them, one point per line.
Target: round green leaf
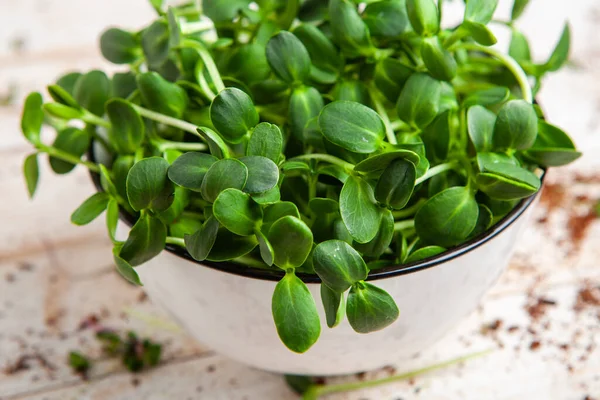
488	97
73	141
381	161
237	212
479	32
288	57
338	265
552	147
333	304
439	61
124	268
62	96
396	184
32	117
92	91
266	250
31	171
68	81
90	209
154	89
326	60
61	111
263	174
505	181
229	246
359	210
189	169
484	221
305	104
202	241
481	122
323	205
423	16
148	186
123	84
277	211
418	103
390	77
348	28
383	239
233	114
352	126
146	240
370	308
436	137
481	11
156	43
271	196
424	253
224	174
119	47
223	10
128	129
292	242
295	314
447	218
387	18
352	90
266	140
516	126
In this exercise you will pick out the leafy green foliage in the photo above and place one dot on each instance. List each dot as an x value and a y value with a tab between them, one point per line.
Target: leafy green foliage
369	136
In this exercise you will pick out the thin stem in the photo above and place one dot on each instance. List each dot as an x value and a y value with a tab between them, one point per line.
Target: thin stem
165	119
327	158
70	158
438	169
95	120
176	241
400	125
410	211
402	225
190	28
251	262
184	146
205	86
379	107
321	390
509	63
209	63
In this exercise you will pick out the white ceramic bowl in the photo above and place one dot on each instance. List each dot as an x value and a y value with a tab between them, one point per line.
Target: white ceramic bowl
228	307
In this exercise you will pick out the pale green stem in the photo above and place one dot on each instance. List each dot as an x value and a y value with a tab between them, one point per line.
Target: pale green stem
402	225
70	158
438	169
510	63
189	28
209	63
327	158
184	146
320	390
95	120
379	107
410	211
176	241
399	125
205	86
165	119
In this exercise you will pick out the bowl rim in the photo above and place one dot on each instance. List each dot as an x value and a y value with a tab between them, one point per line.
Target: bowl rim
380	273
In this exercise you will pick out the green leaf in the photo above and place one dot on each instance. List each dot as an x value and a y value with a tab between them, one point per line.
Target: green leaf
124	268
480	122
352	90
348	29
263	174
484	221
202	241
148	186
381	161
436	137
396	184
128	129
174	28
175	210
390	77
424	253
146	240
90	209
288	57
488	97
119	46
516	126
230	246
185	226
338	265
68	81
112	218
266	140
321	205
249	63
359	210
73	141
370	309
63	97
439	61
560	55
156	43
518	8
480	33
447	218
32	117
276	211
189	169
61	111
237	212
305	104
552	147
423	16
31	171
295	314
123	84
223	10
519	47
120	170
92	91
333	304
480	11
266	250
418	103
292	241
503	180
224	174
271	196
154	89
383	239
387	18
352	126
158	6
233	114
326	60
216	144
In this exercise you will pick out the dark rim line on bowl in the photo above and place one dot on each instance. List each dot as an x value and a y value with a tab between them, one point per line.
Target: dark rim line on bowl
382	273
